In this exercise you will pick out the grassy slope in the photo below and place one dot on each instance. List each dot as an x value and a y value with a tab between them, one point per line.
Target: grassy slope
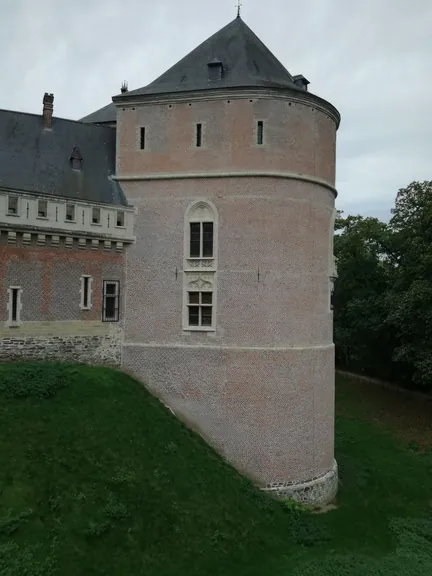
99	478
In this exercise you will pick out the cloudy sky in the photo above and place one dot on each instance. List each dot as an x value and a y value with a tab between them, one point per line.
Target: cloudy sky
371	59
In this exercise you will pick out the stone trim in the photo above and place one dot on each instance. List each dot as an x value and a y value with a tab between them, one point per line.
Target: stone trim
319	490
246	174
225	347
48	240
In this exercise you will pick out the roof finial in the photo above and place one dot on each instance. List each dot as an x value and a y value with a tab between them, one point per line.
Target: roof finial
124	87
239	6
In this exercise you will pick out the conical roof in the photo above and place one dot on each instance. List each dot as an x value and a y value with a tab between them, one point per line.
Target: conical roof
246	62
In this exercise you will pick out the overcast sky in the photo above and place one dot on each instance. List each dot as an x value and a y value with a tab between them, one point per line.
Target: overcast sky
371	58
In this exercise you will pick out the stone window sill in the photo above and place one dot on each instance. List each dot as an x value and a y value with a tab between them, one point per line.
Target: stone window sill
199	329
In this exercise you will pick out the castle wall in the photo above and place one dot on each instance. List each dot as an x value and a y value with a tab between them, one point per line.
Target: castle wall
298	138
53	324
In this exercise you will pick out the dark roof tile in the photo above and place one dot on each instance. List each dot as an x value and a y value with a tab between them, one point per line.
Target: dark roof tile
36	160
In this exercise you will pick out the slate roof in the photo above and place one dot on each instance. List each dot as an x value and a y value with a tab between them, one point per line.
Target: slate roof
104	115
247	62
36	160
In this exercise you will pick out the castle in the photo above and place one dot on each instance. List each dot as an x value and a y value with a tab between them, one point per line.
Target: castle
184	233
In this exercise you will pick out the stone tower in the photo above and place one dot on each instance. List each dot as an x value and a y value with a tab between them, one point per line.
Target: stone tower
230	163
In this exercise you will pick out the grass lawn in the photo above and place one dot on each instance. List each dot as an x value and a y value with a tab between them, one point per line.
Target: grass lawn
98	478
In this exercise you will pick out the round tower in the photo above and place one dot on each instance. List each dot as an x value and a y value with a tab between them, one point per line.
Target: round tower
230	163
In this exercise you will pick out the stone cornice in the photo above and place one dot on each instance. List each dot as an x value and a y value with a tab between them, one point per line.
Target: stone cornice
297	96
246	174
12	230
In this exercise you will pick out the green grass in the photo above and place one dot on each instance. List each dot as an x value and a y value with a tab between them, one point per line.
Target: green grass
97	477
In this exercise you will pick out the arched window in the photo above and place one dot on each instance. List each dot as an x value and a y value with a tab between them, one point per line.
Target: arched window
200	266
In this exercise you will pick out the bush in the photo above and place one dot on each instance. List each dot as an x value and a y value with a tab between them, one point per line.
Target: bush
33	380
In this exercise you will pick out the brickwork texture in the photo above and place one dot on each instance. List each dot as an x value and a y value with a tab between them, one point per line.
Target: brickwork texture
261	386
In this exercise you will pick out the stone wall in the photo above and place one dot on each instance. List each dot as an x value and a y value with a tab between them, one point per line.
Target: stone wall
80	342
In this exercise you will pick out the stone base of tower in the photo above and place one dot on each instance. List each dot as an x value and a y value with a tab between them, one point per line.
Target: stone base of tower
313	492
268	411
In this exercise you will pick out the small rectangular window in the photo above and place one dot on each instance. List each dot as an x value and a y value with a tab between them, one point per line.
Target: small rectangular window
120	219
200	309
86	292
199	135
111	298
260	133
12	205
195	239
96	216
70	212
14	305
142	138
42	208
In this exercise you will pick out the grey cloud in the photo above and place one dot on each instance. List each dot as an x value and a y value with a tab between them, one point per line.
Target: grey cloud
370	59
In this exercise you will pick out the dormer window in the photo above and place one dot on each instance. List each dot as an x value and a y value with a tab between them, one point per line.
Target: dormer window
76	159
215	70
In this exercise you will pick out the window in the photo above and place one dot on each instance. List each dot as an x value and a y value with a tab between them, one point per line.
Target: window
111	297
201	239
96	216
142	138
12	205
86	292
199	135
120	219
42	209
70	212
260	133
14	305
200	309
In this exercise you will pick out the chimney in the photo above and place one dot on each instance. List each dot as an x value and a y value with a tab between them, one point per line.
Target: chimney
301	81
48	107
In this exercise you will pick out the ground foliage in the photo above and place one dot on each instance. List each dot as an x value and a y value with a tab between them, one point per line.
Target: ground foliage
98	477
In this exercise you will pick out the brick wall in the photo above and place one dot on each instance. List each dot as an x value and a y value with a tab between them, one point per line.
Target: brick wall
260	387
53	326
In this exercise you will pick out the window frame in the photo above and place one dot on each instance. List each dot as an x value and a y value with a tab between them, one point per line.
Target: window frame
142	137
86	286
260	133
73	219
98	211
200	305
14	322
201	224
41	200
17	200
116	297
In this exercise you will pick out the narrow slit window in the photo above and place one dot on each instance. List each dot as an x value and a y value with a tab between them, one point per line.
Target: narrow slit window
96	216
142	137
120	219
260	133
111	299
86	292
70	212
201	240
199	135
200	309
42	208
14	305
13	205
